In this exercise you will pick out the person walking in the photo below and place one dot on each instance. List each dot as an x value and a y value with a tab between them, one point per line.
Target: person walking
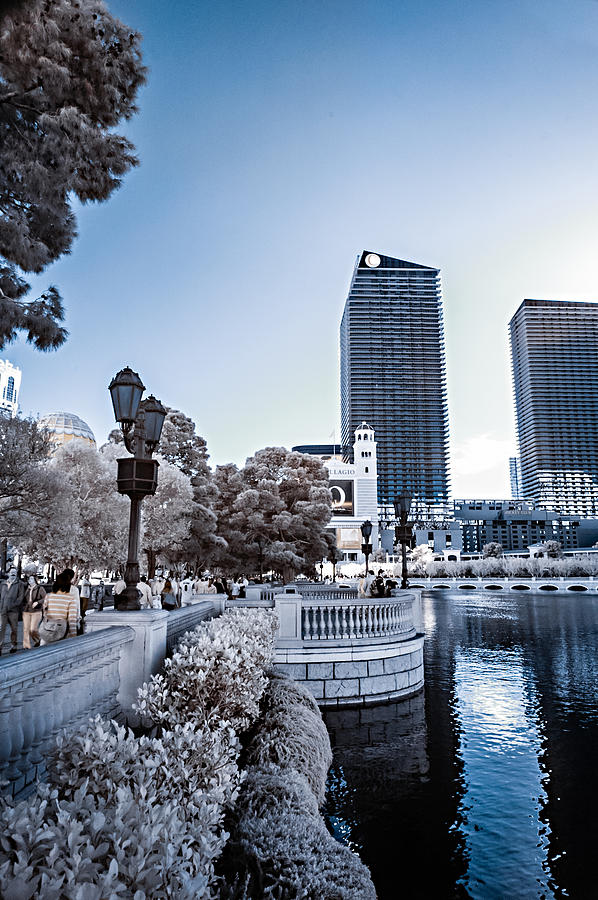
32	612
85	595
145	600
220	588
99	593
120	586
168	596
157	585
74	592
60	612
12	594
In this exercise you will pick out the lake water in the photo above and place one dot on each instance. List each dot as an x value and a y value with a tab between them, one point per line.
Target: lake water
486	784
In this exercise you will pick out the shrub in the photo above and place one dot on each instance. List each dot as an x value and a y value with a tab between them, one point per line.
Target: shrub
279	847
285	852
144	817
216	673
292	735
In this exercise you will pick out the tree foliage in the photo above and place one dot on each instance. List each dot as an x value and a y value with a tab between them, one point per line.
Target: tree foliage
273	513
28	488
69	73
85	523
493	549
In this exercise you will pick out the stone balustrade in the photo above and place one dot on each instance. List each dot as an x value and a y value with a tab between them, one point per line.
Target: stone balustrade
350	651
52	689
341	619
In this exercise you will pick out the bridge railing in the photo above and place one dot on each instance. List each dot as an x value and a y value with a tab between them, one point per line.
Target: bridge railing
51	689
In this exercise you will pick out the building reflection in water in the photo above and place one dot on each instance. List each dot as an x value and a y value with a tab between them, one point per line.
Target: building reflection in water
501	747
488	788
382	803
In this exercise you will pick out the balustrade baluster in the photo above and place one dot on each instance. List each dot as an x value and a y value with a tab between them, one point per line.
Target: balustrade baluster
43	720
13	773
389	629
343	632
25	763
352	621
5	738
368	620
57	700
362	620
337	622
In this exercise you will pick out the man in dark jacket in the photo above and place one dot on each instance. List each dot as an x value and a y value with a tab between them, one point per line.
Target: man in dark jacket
12	594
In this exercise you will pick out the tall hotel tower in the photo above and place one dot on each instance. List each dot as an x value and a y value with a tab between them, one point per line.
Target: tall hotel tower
393	376
554	353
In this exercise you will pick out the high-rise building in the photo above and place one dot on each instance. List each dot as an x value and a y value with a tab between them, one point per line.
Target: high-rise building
10	384
554	352
393	374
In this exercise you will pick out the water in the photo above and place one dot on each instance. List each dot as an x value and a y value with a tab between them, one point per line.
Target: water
485	785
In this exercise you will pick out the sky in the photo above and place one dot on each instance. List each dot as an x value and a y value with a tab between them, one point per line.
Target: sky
279	139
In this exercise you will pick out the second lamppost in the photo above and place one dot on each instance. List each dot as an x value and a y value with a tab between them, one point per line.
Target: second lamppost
141	422
366	547
403	531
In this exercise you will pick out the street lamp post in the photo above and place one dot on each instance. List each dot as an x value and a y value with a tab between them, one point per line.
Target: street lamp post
403	531
366	547
141	422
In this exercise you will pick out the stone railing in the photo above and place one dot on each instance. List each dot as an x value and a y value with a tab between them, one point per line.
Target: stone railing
325	592
52	689
353	619
351	651
188	617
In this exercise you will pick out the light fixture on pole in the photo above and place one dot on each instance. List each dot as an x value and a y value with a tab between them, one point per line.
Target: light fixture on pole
403	531
366	547
141	422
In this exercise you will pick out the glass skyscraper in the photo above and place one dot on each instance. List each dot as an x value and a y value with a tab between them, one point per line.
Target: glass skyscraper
554	353
393	376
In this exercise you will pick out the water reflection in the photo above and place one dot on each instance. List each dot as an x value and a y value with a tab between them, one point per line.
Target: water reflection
486	790
501	749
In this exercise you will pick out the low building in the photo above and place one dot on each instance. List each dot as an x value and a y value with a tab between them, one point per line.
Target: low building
514	524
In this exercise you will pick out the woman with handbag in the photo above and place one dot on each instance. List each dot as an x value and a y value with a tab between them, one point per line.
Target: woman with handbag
32	612
169	600
60	612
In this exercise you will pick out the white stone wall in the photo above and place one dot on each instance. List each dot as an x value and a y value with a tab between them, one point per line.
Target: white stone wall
349	676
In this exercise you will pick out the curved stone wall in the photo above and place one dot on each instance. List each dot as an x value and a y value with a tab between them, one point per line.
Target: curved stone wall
358	652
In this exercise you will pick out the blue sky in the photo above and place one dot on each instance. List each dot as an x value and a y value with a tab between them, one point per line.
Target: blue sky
277	140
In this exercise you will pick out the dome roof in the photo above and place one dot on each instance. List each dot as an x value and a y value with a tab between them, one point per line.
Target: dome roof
64	426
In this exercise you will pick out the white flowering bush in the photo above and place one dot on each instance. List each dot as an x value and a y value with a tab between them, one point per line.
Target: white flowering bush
144	817
216	673
280	848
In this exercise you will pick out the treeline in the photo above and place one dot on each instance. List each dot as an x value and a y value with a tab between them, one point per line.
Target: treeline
62	507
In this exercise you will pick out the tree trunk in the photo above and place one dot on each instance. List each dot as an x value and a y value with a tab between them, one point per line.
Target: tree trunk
151	562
